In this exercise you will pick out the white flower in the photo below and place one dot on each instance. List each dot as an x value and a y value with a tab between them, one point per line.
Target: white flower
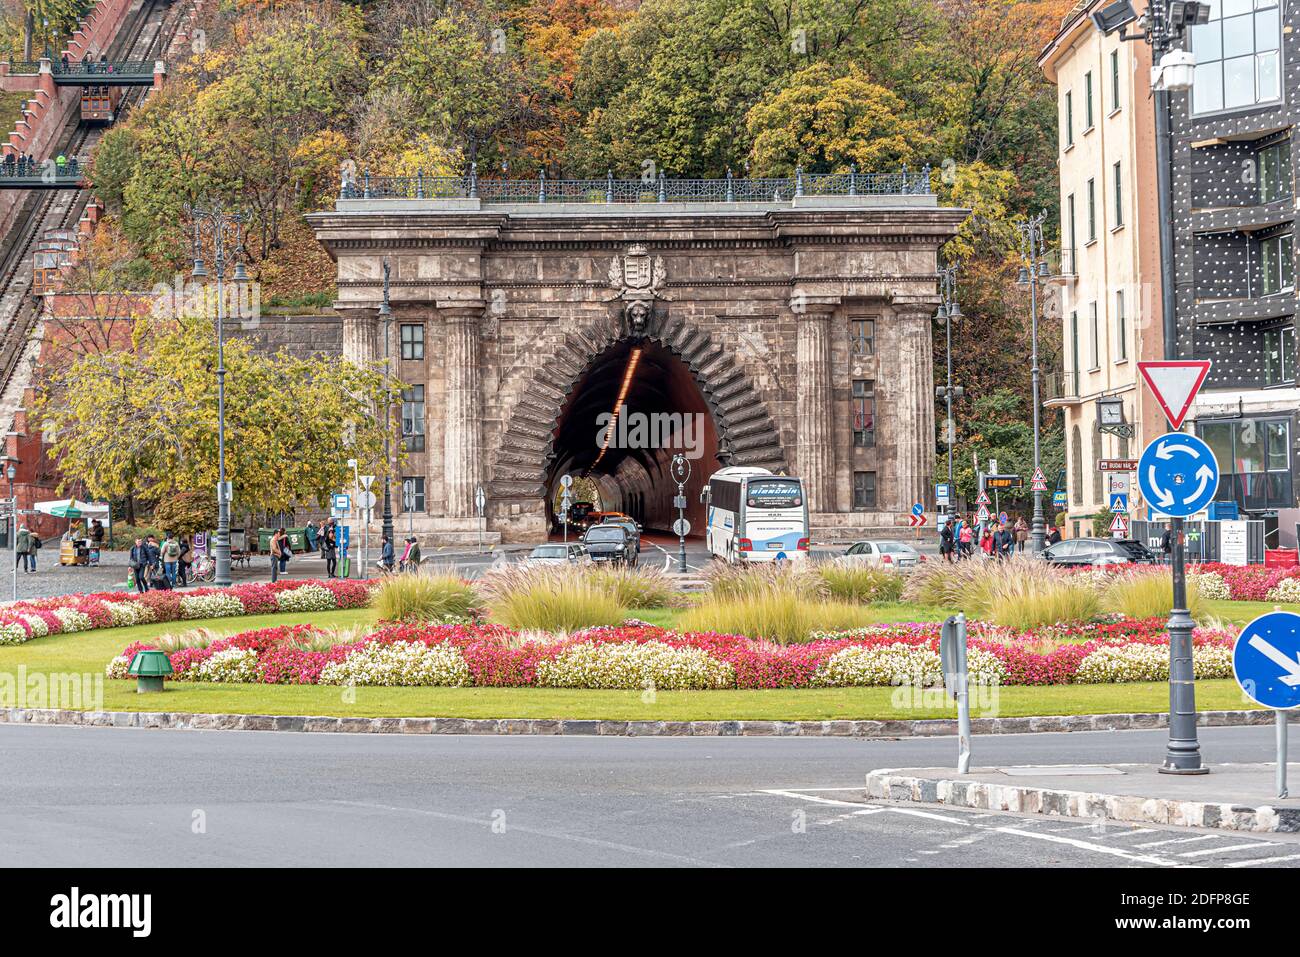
1139	662
309	597
1287	590
230	665
1212	586
117	668
211	606
73	620
401	663
129	613
632	666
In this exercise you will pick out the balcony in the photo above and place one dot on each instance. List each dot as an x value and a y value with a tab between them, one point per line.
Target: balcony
1060	388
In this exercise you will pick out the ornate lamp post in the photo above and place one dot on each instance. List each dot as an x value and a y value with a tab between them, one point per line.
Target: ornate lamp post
386	314
223	226
948	313
1034	273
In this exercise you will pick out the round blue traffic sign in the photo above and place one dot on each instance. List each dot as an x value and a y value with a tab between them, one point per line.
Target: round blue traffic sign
1266	660
1178	474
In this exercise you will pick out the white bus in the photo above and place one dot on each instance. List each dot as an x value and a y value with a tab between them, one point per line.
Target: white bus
755	516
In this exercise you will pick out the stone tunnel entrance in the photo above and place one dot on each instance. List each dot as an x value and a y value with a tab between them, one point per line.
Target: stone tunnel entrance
633	407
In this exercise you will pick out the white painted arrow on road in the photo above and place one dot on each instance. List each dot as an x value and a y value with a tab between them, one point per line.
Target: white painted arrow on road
1290	665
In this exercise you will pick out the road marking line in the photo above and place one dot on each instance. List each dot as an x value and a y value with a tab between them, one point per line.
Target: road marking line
1179	840
1224	850
1263	860
1098	848
936	817
536	832
812	799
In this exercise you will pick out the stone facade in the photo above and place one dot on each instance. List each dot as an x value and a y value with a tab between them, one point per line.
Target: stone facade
503	311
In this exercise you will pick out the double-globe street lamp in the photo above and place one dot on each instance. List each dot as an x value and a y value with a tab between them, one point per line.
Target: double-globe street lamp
1034	273
222	226
948	313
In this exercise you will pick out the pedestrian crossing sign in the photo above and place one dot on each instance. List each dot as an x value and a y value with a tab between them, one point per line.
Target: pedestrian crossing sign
1118	502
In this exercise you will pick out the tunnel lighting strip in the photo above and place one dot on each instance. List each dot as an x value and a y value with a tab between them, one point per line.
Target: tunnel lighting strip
628	374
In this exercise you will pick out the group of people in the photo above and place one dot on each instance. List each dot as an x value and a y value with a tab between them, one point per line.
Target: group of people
161	566
325	540
26	545
88	64
410	559
21	164
959	537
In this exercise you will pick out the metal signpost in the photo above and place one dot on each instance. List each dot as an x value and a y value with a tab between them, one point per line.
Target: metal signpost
681	472
566	502
1266	664
480	508
367	504
952	657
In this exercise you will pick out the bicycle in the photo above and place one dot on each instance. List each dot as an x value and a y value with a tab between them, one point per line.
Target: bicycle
204	568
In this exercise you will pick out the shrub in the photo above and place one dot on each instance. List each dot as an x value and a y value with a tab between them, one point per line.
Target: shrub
1287	590
556	605
779	616
424	596
861	583
1150	594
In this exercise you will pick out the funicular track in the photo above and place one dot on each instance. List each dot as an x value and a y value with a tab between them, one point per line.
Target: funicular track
145	36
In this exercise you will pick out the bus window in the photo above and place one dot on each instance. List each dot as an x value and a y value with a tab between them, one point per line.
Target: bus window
774	493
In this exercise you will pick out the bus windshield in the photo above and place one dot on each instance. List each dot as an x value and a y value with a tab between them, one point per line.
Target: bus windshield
774	493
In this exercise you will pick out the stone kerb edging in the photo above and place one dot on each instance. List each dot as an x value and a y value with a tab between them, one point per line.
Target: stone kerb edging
898	785
179	720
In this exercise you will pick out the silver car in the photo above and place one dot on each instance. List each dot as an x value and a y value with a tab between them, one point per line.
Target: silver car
557	553
898	555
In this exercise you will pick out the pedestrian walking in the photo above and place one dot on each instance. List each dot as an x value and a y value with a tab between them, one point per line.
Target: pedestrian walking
186	561
966	539
945	541
171	556
279	553
329	548
386	554
1022	533
1167	544
1053	535
309	533
1003	542
31	554
138	562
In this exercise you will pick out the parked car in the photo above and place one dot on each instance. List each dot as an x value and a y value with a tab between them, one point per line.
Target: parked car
556	553
896	554
1100	551
609	543
629	523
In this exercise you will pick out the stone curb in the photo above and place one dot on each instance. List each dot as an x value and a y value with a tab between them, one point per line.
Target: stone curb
898	785
843	729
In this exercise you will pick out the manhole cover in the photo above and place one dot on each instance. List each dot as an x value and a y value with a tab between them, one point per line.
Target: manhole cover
1059	770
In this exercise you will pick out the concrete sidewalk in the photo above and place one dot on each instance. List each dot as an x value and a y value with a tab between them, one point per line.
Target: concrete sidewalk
1238	797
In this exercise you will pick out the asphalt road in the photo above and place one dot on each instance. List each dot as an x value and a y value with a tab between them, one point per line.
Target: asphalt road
92	797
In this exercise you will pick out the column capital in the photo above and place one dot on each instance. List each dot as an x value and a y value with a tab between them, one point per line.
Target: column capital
915	307
806	309
462	310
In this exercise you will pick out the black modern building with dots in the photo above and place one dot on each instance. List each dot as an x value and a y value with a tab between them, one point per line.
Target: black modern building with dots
1234	210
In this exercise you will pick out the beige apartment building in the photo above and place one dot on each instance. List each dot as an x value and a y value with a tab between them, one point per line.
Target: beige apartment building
1108	294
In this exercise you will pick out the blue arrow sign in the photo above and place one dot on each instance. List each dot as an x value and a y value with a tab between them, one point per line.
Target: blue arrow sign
1118	502
918	509
1178	474
1266	660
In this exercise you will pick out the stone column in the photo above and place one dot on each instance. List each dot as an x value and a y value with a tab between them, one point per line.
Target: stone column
462	459
814	436
911	414
360	335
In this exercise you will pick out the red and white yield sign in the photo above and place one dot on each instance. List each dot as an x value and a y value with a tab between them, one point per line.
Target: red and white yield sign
1175	383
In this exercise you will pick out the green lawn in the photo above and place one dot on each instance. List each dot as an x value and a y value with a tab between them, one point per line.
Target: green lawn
1240	612
883	613
90	652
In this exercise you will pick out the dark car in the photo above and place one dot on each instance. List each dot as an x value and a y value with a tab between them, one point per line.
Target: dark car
609	543
1100	551
632	528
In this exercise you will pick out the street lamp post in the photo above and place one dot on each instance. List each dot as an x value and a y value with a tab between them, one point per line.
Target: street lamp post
948	313
223	226
1033	273
681	472
386	314
11	473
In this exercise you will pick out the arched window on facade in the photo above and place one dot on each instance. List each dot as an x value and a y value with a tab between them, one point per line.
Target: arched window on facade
1076	467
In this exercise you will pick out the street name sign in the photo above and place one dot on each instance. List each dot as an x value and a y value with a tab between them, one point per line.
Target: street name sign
1175	383
1178	474
1117	465
1266	660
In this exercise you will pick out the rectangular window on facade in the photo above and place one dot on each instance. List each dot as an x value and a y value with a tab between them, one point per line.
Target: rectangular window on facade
412	341
862	337
1071	268
1087	100
1121	328
864	490
413	418
1069	118
864	413
1237	56
1279	355
1114	80
1254	459
1092	210
1072	374
1276	265
413	494
1274	171
1094	336
1119	194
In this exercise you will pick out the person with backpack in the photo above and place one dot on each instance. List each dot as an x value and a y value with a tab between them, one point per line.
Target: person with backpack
171	556
279	553
22	547
329	548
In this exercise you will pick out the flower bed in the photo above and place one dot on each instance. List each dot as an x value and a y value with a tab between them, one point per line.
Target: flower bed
637	656
24	620
1247	582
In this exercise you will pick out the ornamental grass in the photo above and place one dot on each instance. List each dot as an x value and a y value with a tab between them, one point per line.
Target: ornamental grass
1150	594
1020	591
553	604
424	596
774	615
859	583
629	587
